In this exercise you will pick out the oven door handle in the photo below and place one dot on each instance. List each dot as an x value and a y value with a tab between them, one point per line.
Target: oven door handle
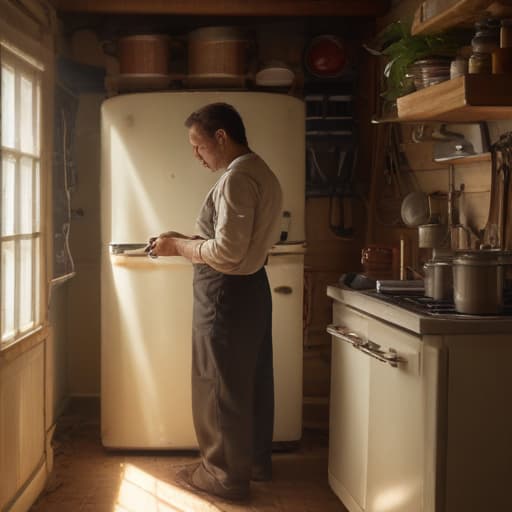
391	356
345	334
368	347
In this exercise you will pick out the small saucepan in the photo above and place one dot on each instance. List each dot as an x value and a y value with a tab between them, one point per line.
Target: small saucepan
438	279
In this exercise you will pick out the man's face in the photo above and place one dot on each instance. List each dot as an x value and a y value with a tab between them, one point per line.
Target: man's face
208	150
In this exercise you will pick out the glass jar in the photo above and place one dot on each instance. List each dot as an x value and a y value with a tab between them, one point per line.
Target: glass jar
483	44
480	64
484	41
458	67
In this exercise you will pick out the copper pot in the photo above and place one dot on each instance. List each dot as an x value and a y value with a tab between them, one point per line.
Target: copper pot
144	54
217	52
377	261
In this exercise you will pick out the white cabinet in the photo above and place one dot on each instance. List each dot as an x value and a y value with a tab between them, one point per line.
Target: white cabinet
379	415
395	437
348	443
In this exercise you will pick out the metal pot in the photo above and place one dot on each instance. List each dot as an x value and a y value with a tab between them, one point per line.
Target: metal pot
432	236
478	283
438	280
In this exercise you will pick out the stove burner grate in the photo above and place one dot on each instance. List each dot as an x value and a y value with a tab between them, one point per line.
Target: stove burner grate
431	307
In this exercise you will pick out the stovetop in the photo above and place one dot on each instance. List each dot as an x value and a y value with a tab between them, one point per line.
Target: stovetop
422	315
436	308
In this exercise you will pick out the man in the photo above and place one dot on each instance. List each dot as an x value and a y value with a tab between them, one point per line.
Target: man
232	372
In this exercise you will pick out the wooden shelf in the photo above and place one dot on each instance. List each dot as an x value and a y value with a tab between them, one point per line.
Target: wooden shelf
115	84
390	119
466	98
467	160
428	19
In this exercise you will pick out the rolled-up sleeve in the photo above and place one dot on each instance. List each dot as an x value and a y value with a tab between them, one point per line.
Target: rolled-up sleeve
237	202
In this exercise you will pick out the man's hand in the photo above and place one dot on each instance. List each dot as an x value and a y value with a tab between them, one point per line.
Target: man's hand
162	246
167	234
151	241
187	247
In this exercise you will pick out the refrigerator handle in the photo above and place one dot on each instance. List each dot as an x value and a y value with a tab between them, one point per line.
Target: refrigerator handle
128	249
285	290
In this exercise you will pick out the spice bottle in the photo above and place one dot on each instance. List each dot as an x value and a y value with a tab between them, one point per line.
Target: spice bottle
458	67
480	64
483	44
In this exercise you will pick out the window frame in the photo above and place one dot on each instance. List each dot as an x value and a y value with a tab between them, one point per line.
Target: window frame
24	65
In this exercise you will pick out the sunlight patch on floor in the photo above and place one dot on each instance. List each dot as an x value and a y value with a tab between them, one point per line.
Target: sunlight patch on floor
393	498
139	491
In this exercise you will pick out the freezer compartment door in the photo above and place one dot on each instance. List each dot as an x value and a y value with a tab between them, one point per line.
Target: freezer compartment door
150	180
286	278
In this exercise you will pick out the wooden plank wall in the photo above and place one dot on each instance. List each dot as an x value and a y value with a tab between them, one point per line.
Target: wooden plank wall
329	256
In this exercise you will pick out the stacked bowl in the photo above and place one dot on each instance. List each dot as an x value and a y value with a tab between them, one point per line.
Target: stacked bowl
427	72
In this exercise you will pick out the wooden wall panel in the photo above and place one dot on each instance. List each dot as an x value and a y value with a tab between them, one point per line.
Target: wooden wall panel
329	256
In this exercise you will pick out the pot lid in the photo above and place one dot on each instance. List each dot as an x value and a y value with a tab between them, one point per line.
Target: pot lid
439	263
479	258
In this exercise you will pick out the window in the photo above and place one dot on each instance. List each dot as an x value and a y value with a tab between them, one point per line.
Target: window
20	210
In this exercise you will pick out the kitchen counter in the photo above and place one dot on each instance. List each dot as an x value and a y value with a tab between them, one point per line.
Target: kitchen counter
382	307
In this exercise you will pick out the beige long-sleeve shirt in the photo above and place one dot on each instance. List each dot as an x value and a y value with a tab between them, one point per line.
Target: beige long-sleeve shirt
240	217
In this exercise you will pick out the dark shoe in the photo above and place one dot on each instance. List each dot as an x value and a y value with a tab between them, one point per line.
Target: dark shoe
261	472
185	479
261	476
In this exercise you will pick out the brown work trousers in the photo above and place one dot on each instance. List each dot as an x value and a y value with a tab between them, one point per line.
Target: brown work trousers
232	374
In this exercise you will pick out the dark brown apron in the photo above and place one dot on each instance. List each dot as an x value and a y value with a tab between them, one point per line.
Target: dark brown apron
232	374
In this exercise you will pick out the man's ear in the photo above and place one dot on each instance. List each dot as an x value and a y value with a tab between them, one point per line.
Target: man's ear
221	136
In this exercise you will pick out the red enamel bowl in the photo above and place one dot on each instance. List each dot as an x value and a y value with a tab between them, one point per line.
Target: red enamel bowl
326	56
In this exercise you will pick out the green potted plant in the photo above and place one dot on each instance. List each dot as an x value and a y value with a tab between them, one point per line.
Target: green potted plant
403	49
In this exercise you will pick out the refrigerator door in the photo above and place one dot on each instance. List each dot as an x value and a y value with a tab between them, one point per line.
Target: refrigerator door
146	399
151	181
286	277
146	349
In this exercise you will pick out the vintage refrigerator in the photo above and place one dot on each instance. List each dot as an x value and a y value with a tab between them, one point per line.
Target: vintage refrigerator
151	183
